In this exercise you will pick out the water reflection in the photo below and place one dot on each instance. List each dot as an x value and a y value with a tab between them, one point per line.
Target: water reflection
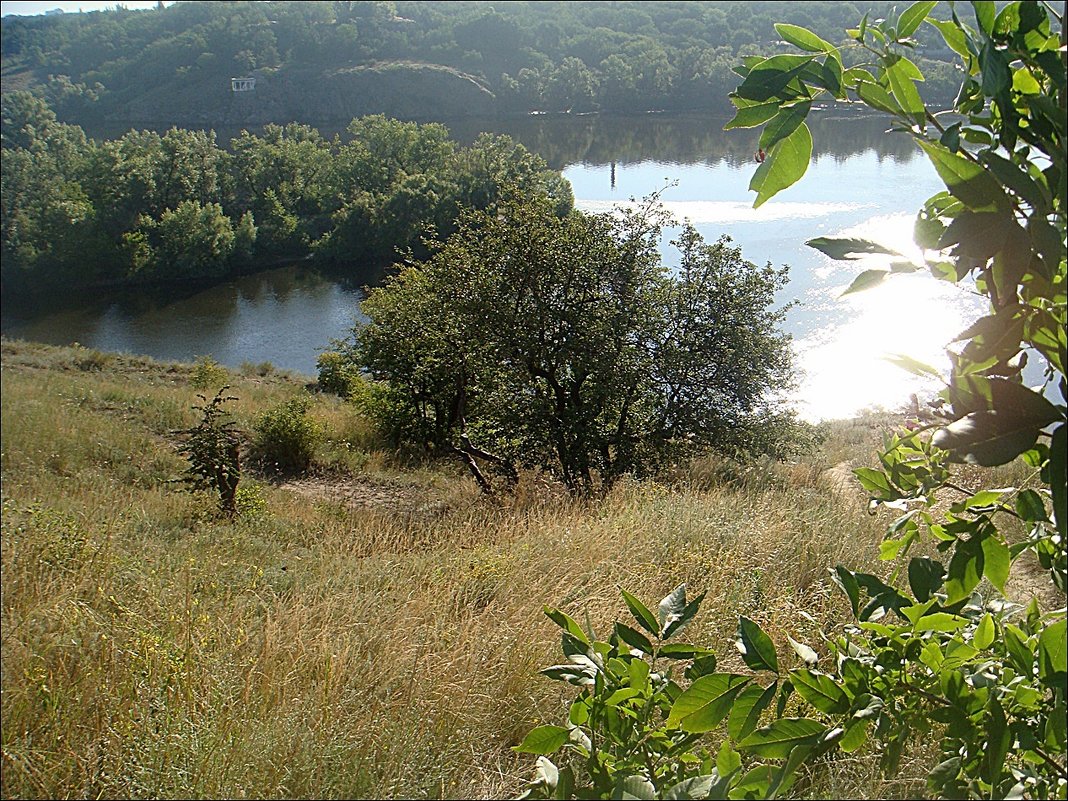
285	316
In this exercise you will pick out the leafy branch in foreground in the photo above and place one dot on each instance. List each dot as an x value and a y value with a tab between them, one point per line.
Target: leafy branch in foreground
994	679
933	650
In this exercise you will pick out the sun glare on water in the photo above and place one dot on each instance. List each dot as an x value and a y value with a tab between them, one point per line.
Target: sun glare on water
844	363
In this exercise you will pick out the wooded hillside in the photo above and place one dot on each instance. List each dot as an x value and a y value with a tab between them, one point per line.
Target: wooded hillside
319	62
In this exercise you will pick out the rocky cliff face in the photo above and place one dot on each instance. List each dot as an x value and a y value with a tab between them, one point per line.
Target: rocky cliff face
403	90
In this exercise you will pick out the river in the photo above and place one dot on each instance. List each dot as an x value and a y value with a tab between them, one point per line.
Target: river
862	182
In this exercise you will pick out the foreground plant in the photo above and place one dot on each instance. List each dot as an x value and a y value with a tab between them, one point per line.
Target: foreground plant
934	651
634	732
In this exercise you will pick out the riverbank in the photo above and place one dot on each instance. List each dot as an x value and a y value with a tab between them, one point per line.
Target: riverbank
370	629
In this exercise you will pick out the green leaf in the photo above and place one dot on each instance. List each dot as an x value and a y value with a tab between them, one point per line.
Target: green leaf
905	91
943	776
641	614
847	580
965	570
750	116
998	742
749	705
783	124
989	438
579	712
874	481
702	666
913	16
953	36
820	690
925	577
804	38
866	280
706	702
1016	644
984	633
777	740
1030	507
998	562
965	179
621	695
1016	178
696	787
755	783
985	14
542	740
1024	82
565	785
634	638
867	706
941	621
727	760
634	787
978	235
768	78
786	162
984	499
1053	654
785	775
638	673
841	248
681	650
878	98
566	623
756	647
856	734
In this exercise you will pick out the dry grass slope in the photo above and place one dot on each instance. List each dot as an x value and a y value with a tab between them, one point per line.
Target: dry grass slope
373	630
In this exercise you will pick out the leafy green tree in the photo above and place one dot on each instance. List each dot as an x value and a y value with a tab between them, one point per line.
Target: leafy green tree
571	87
560	342
283	178
192	241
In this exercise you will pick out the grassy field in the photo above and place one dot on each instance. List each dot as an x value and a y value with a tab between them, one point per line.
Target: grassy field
373	629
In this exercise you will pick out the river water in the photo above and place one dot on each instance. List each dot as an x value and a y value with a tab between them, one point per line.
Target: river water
862	182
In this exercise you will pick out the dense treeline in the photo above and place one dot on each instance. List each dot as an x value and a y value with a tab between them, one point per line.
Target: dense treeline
551	56
147	208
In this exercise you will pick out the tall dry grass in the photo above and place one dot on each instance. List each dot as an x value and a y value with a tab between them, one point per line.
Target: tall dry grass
380	639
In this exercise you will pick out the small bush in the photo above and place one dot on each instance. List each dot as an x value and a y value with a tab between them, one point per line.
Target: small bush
285	438
212	448
336	373
208	373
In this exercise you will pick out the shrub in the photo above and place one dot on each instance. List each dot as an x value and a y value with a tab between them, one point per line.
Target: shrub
564	344
208	373
336	373
212	447
285	438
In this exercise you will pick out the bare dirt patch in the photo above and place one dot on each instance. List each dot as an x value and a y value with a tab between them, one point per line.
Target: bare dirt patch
364	492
